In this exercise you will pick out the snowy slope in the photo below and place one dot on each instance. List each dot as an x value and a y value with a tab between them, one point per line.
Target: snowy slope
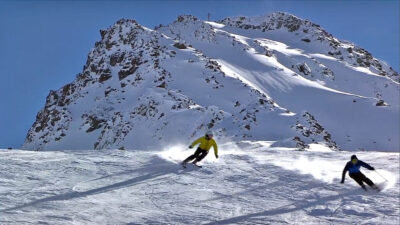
251	183
275	78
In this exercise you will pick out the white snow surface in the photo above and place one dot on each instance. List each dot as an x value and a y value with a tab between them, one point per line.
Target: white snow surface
250	183
272	78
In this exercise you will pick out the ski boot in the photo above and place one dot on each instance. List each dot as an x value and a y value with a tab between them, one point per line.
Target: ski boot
365	188
376	188
195	164
183	164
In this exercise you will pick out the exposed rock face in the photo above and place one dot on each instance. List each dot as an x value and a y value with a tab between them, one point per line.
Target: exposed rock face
314	131
303	68
143	88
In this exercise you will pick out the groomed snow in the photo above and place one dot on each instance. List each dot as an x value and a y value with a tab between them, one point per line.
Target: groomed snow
251	183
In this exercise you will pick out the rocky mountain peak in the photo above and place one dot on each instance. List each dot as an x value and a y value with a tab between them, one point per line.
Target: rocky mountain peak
186	18
120	26
290	22
188	27
276	21
123	32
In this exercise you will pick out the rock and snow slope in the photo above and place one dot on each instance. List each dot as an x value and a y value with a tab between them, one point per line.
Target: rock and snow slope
274	78
252	183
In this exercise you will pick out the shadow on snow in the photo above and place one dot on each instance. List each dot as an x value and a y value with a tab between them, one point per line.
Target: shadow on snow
158	166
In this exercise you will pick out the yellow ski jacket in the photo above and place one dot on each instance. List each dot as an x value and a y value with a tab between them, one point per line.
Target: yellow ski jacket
206	144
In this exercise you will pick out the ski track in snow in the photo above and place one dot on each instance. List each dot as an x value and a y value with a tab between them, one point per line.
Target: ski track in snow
249	184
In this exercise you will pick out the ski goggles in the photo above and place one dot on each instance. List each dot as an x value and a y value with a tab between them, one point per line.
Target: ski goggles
354	161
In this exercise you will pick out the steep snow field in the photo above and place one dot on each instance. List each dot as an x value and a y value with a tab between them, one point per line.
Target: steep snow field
251	183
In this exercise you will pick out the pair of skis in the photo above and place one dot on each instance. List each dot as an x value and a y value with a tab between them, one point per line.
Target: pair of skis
184	165
375	188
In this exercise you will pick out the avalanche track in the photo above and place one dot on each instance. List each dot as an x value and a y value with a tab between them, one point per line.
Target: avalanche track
251	183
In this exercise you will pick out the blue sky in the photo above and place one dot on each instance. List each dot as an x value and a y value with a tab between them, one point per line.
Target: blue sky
44	44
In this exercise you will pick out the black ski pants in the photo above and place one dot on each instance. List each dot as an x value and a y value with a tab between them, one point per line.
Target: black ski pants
360	178
199	154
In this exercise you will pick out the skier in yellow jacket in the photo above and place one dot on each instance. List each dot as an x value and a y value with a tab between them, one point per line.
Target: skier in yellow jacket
206	143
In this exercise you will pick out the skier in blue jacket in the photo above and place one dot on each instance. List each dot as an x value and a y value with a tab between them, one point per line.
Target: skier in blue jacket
353	167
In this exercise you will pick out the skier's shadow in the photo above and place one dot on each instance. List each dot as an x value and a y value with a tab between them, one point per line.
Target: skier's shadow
158	167
283	209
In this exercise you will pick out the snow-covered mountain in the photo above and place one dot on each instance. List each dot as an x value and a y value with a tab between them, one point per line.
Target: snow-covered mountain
273	78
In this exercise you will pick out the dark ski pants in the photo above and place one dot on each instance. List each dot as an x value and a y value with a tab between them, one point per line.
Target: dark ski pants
199	154
360	178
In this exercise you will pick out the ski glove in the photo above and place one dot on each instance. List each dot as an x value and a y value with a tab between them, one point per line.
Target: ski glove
342	181
190	146
216	156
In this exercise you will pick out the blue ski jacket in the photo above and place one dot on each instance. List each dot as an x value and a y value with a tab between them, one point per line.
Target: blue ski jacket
355	168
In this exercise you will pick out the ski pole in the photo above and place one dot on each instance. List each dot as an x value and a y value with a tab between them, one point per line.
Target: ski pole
380	175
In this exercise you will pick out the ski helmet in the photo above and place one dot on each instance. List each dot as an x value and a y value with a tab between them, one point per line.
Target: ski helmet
209	133
354	159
